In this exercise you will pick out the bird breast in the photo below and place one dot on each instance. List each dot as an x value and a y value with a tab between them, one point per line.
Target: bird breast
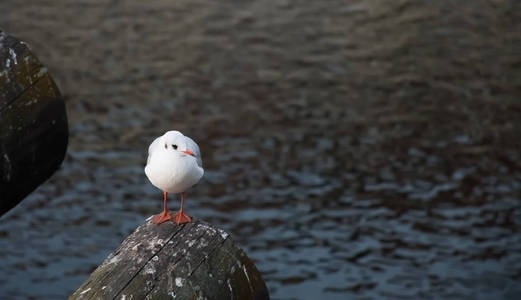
173	172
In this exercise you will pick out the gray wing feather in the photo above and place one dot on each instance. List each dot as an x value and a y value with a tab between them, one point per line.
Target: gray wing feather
152	147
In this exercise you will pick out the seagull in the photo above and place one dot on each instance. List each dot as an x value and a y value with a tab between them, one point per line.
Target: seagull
174	165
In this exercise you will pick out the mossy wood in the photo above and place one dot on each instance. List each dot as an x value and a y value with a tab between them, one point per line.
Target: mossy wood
33	123
169	261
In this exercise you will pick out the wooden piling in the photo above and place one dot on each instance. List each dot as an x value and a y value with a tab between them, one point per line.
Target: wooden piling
169	261
33	122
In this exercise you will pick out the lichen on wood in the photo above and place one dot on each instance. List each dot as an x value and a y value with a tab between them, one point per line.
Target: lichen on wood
169	261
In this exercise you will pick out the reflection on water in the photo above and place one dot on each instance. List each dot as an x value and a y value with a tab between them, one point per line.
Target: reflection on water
360	149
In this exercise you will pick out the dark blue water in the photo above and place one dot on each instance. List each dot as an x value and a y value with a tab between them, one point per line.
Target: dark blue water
354	149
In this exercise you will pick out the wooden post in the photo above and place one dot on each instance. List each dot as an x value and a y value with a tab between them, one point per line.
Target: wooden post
169	261
33	123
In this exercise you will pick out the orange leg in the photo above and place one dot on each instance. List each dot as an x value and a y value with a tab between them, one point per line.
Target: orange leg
180	217
165	215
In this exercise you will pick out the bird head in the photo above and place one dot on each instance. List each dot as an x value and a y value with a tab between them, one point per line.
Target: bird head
176	141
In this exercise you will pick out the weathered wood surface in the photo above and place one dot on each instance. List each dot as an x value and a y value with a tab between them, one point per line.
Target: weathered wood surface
169	261
33	123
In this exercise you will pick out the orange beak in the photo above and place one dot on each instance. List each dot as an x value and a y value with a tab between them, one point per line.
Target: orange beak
189	152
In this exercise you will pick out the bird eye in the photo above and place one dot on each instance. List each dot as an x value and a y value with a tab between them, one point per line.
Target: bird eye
166	146
174	146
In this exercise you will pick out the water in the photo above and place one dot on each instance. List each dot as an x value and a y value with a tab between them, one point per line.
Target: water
354	149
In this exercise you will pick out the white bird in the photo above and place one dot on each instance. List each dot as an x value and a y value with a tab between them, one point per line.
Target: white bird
174	165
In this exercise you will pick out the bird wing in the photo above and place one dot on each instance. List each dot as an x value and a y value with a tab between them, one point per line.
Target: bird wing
190	144
153	147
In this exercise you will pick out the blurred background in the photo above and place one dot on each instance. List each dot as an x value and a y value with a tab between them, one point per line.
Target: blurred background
355	149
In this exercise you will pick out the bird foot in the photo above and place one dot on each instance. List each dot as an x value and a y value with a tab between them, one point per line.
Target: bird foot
181	218
162	217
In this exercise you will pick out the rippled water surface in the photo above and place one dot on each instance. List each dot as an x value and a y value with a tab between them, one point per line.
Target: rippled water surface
354	149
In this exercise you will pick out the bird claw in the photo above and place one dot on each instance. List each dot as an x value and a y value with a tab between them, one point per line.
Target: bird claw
161	218
181	218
